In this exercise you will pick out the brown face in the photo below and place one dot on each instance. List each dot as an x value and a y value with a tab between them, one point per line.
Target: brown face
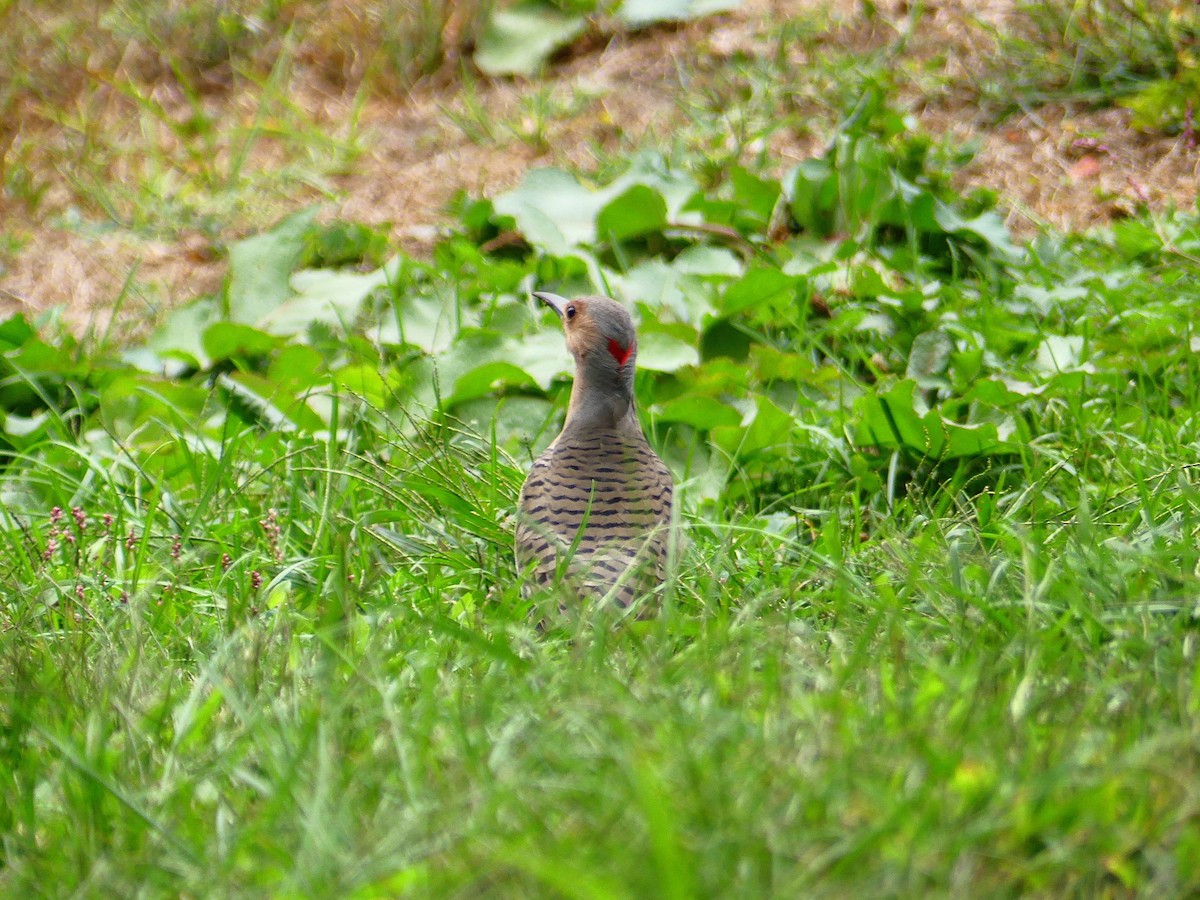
594	325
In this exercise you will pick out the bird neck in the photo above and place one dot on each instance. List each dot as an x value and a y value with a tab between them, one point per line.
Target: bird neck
600	401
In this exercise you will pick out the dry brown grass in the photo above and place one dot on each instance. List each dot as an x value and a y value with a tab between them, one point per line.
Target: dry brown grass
415	157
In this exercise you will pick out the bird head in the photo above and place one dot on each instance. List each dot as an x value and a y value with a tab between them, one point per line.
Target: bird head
600	334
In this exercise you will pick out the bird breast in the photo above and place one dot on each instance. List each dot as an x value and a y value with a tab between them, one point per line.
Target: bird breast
605	490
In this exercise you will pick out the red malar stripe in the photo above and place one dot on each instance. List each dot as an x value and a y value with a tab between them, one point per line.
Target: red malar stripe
619	353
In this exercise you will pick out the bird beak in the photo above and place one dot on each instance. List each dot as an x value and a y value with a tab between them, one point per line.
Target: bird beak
555	302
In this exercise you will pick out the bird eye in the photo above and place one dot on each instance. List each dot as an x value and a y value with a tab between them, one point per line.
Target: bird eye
571	311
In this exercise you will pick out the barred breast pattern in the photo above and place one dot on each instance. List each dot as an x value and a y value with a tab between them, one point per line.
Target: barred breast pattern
608	495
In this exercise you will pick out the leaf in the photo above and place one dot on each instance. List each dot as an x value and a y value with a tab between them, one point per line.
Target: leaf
890	420
260	268
485	379
519	40
183	332
257	398
662	352
542	355
329	297
993	393
552	210
759	286
710	261
754	194
640	13
479	363
228	340
896	420
725	338
149	406
14	332
767	429
698	411
430	320
557	214
929	358
1059	353
812	193
986	226
362	381
297	367
517	421
1136	239
639	210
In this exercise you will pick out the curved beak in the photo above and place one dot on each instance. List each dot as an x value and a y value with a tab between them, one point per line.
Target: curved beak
554	301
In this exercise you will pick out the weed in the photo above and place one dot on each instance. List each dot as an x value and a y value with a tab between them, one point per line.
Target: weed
1096	51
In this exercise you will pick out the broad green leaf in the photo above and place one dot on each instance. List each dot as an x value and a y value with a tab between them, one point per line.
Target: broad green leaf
639	210
757	287
429	320
725	337
698	411
183	331
261	266
987	226
994	393
639	13
522	424
557	214
657	285
755	195
149	407
258	398
297	367
14	332
553	210
328	297
479	363
891	420
363	382
928	358
487	378
229	340
541	354
662	352
519	40
898	420
766	430
703	259
1059	353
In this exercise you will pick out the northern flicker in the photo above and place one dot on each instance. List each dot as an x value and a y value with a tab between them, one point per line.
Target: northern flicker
596	507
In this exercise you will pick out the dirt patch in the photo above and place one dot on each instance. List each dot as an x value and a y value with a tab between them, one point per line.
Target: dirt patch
1069	170
1076	171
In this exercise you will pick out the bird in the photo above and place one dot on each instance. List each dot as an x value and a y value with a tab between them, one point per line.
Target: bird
595	511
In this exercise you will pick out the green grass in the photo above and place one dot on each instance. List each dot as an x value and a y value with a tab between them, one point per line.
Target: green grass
918	679
933	632
1098	52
